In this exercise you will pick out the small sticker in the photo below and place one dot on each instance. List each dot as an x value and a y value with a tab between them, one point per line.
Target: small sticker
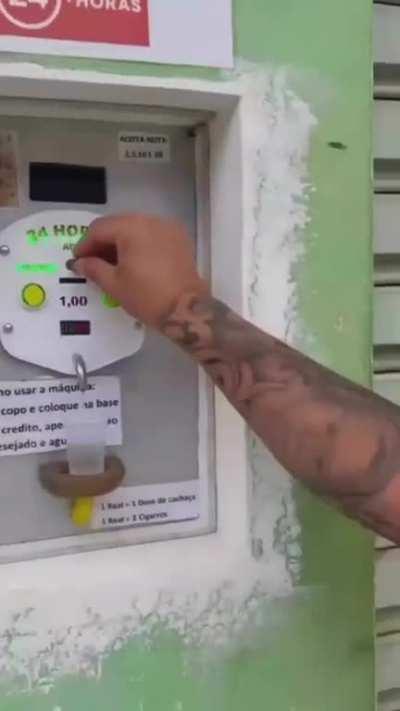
8	169
141	147
34	415
148	505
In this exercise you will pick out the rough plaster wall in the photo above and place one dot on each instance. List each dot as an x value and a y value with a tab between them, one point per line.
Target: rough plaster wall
59	626
280	193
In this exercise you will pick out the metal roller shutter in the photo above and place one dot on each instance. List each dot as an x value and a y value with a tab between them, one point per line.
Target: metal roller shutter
387	319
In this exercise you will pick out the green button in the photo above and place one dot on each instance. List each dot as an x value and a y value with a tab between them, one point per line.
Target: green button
109	302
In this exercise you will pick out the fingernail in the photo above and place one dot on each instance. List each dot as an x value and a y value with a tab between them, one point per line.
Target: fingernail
74	265
78	267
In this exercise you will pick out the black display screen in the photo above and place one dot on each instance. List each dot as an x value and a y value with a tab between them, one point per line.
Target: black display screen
75	328
59	182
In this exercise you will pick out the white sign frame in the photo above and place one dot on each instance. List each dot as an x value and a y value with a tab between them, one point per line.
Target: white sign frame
200	33
222	104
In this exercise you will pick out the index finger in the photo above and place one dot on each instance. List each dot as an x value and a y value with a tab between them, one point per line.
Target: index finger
100	239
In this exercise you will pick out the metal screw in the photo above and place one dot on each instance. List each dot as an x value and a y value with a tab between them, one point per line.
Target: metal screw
8	328
4	250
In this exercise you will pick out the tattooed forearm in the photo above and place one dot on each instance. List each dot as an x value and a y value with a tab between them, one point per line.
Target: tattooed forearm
338	438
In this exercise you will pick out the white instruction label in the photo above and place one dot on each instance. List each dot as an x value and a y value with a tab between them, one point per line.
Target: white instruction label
148	505
34	414
141	147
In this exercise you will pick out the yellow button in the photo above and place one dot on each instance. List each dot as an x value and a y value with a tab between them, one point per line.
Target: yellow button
33	296
82	512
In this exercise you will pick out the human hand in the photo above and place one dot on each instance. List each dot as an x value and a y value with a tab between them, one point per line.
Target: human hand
146	263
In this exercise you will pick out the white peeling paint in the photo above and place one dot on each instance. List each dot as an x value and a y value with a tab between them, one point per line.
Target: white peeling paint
278	135
67	615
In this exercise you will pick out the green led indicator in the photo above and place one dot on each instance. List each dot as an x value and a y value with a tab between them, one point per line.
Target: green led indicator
38	268
35	237
109	302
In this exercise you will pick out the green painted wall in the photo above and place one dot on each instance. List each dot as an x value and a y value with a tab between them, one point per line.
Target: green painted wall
318	653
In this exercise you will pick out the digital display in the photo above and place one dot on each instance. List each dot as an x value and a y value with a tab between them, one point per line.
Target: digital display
72	280
75	328
60	182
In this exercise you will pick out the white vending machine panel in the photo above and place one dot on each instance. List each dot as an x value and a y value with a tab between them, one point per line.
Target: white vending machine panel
56	176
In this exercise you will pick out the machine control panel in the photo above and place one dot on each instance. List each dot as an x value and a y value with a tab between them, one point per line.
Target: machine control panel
106	428
48	313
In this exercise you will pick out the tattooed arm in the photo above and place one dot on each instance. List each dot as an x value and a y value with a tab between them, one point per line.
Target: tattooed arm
338	438
342	441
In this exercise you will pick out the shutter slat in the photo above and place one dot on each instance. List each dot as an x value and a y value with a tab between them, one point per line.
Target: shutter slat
386	39
388	386
386	132
387	316
387	319
389	700
388	579
388	663
387	81
386	359
387	225
387	270
388	622
387	175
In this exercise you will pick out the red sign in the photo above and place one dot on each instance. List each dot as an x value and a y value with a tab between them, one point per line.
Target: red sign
123	22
